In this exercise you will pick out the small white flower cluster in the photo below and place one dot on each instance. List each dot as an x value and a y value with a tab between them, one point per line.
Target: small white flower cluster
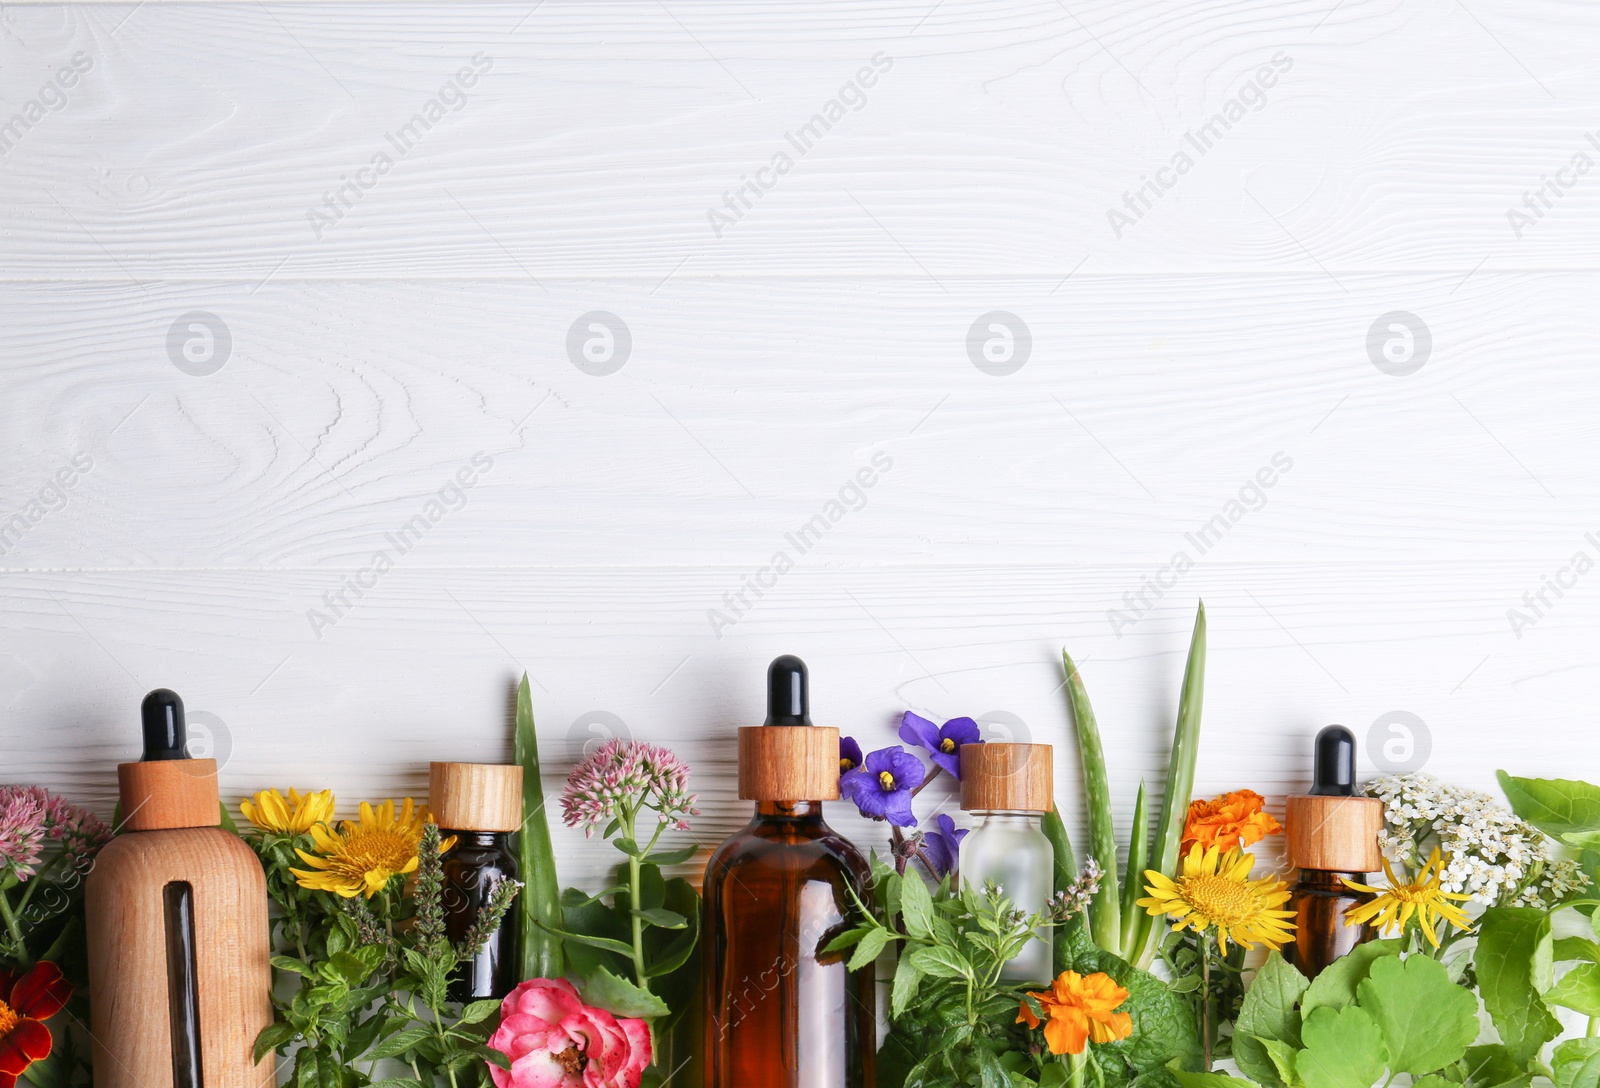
1076	899
1490	854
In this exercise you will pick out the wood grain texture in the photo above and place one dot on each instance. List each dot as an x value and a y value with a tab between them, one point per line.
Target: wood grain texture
168	794
475	796
604	134
788	763
220	534
1333	833
1007	776
128	957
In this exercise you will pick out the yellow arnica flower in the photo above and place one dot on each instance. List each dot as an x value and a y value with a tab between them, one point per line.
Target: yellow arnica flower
293	815
1079	1009
1213	890
1423	897
361	857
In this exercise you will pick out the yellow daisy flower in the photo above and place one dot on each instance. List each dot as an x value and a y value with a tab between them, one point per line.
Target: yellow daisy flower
1423	897
295	815
1214	890
363	854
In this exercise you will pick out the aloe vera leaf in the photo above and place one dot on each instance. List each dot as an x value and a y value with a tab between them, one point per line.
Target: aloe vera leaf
539	903
1133	885
1105	918
1065	875
1180	769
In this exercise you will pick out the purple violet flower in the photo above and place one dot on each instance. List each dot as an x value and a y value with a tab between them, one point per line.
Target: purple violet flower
942	742
882	786
849	759
940	848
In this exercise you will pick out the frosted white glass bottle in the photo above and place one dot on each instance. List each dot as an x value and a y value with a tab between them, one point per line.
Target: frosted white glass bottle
1009	786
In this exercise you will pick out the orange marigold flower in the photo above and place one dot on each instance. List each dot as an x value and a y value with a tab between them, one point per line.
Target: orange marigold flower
1234	820
1079	1009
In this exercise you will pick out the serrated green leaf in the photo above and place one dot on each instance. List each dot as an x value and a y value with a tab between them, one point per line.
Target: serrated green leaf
938	961
1343	1049
1268	1015
397	1082
1556	806
479	1011
292	965
1427	1021
847	939
906	978
619	996
272	1037
1514	967
868	948
495	1058
1335	986
1282	1056
398	1043
916	906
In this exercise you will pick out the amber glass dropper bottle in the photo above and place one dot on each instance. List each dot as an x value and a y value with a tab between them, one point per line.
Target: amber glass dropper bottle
778	1015
1332	834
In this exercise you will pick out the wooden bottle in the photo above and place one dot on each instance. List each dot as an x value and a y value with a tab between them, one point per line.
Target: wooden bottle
778	1014
481	805
1331	835
179	979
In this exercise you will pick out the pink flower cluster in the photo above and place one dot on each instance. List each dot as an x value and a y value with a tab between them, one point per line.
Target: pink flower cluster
623	776
554	1040
30	816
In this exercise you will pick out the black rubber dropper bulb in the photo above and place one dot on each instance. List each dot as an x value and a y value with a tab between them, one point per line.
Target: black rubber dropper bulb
788	692
165	735
1334	763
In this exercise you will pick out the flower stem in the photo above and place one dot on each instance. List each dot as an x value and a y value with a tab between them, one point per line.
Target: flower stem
1205	997
635	895
15	929
1075	1063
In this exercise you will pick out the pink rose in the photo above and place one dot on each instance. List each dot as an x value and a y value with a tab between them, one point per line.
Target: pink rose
554	1040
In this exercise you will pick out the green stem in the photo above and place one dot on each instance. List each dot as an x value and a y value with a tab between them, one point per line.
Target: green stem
635	895
1594	1026
1076	1062
36	880
15	929
1205	998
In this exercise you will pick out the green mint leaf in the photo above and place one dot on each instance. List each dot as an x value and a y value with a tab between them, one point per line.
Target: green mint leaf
868	949
398	1043
272	1037
1336	986
906	978
1209	1080
938	961
916	906
1427	1021
846	939
1514	965
1556	806
1344	1049
479	1011
1268	1015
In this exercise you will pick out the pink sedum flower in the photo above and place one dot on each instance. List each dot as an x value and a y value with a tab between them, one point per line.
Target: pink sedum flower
30	816
623	776
554	1040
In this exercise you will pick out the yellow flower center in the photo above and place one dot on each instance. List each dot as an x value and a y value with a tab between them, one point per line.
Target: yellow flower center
947	745
845	765
1412	893
886	780
1218	898
374	851
8	1019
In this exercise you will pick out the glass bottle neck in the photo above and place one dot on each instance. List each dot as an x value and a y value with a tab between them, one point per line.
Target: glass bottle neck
485	839
809	811
1008	817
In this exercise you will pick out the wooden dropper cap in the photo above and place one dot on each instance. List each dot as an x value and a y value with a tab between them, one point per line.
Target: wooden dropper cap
788	758
166	789
1331	829
475	796
999	777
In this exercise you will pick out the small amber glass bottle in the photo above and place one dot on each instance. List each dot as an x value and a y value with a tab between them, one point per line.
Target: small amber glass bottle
480	804
778	1013
1332	836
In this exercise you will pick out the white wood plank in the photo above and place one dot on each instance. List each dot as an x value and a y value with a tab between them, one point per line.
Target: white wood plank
422	668
1145	409
997	144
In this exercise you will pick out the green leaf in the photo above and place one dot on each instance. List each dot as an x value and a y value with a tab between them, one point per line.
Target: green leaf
1427	1021
938	961
906	978
1105	917
289	963
272	1037
1336	986
495	1058
662	918
846	939
398	1082
353	967
1576	948
1556	806
1210	1080
1578	989
1491	1066
479	1011
673	857
1065	870
1268	1015
916	906
1283	1058
1344	1049
538	906
398	1043
1514	966
869	947
1576	1063
607	944
618	996
1433	1080
1133	915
